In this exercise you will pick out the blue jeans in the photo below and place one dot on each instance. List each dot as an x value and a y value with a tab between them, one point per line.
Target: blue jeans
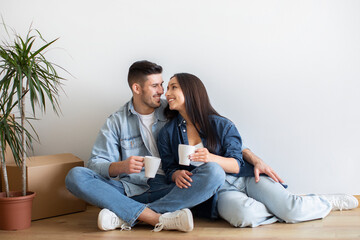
250	204
161	197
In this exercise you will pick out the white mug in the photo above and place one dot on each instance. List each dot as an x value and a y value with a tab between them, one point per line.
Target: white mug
151	166
184	152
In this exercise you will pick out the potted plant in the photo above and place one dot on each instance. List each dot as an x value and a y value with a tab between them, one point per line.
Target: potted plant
25	76
15	209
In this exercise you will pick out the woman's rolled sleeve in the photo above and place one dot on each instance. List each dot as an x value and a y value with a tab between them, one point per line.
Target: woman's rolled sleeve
232	145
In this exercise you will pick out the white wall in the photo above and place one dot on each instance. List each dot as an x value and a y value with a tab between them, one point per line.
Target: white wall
286	72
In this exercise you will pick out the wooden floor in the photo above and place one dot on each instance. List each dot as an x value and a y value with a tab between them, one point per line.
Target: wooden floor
338	225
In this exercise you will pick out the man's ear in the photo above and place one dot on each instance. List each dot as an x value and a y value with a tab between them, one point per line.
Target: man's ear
136	88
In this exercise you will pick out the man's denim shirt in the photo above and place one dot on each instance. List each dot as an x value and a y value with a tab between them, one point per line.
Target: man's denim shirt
121	137
230	145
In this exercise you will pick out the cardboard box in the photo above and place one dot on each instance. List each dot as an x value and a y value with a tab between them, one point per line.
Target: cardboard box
46	176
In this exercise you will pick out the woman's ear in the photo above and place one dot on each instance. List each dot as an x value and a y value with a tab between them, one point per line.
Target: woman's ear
136	88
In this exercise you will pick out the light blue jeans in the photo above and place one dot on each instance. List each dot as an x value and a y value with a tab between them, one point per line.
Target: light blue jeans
246	203
161	197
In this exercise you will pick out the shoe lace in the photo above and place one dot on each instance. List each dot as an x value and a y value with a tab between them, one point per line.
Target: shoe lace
125	227
339	204
158	227
115	221
168	223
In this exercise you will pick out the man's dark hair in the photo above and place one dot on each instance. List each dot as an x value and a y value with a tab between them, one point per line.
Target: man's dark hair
139	70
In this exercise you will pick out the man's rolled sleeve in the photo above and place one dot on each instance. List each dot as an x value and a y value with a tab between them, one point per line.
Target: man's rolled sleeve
105	150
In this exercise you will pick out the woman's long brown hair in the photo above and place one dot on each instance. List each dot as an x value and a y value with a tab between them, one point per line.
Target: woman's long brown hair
198	108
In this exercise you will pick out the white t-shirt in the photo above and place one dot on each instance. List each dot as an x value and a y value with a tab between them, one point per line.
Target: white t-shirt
146	123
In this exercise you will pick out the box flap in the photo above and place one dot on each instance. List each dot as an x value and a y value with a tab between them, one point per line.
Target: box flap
50	160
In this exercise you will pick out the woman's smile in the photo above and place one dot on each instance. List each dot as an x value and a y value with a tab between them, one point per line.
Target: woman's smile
175	96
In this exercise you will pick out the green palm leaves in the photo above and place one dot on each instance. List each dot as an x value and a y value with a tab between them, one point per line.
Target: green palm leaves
25	76
26	71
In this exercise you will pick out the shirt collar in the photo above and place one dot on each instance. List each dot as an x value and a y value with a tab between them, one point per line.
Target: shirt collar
180	120
130	107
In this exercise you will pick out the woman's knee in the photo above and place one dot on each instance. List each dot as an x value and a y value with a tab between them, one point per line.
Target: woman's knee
215	171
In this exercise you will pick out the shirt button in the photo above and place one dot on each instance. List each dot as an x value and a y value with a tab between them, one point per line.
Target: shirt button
184	130
184	121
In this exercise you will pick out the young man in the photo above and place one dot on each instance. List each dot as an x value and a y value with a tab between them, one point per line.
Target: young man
127	136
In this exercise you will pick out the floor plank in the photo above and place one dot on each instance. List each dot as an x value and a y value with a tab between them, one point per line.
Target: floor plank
338	225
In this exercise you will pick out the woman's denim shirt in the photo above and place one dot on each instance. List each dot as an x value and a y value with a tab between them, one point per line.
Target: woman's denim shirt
229	145
121	137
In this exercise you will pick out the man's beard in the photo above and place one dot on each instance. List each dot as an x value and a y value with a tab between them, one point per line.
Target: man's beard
150	102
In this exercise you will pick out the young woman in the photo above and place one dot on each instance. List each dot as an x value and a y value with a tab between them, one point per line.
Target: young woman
241	201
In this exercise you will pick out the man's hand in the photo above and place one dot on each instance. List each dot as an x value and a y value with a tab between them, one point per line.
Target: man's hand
133	164
182	178
260	166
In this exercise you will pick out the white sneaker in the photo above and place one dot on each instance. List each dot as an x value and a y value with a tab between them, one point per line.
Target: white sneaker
181	220
107	220
341	201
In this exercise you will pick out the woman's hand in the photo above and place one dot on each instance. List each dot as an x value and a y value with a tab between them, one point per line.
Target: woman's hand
182	178
202	155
